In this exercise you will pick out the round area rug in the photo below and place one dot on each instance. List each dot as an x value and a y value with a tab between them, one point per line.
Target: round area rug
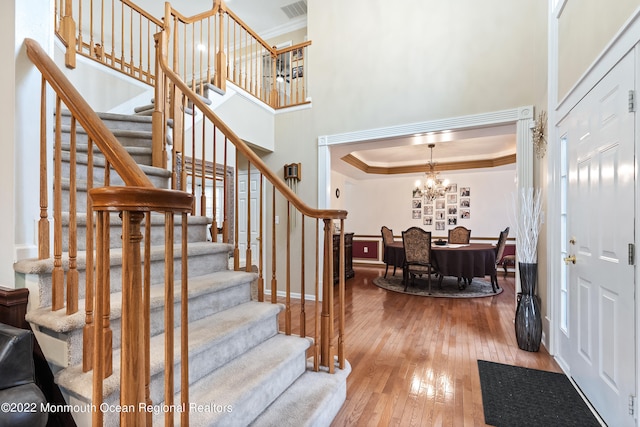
478	287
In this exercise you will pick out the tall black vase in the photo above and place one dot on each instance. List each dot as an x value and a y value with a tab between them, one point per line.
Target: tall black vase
528	316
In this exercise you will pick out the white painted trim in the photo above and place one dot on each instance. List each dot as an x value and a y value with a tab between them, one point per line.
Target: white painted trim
522	117
553	188
627	39
452	123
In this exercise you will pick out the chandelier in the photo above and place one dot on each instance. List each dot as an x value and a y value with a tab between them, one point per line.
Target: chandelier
434	187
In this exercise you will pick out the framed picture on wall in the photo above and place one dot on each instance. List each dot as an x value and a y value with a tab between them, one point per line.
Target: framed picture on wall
427	220
465	191
452	199
452	210
439	225
439	214
417	203
465	202
440	204
452	188
452	220
465	214
416	214
428	210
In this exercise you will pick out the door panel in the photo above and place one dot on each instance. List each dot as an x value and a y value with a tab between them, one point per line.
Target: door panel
599	344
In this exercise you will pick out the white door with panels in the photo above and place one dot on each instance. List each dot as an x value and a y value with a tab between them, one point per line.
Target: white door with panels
248	193
597	296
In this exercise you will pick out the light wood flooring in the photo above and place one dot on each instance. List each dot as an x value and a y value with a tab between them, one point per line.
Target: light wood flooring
414	358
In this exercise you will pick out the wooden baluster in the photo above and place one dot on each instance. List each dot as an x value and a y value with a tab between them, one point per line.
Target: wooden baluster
57	294
113	34
106	295
194	163
326	353
147	315
122	36
274	280
316	347
341	318
132	354
248	260
88	330
303	315
287	298
43	223
214	223
261	243
72	274
98	340
225	220
168	316
184	326
203	173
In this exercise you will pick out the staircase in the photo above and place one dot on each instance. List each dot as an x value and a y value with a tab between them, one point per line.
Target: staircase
242	371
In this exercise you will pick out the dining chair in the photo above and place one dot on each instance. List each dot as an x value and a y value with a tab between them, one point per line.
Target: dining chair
417	254
387	237
459	235
502	241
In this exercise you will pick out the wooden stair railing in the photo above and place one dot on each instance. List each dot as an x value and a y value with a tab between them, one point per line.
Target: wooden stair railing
210	47
205	143
133	201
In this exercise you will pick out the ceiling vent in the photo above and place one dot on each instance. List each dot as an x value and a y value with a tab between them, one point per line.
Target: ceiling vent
296	9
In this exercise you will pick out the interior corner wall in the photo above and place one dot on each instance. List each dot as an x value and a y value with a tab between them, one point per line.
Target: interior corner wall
7	160
585	27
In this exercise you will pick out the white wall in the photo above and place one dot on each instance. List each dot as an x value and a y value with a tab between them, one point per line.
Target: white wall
387	201
20	89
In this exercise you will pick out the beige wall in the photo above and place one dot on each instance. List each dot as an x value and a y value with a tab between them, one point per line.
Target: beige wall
372	64
585	27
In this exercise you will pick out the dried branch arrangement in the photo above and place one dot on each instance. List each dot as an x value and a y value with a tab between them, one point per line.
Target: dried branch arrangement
528	222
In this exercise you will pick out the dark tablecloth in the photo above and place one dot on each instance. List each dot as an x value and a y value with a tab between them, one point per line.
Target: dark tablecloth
474	260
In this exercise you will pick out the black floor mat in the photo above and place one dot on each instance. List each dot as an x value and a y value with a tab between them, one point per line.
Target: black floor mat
513	396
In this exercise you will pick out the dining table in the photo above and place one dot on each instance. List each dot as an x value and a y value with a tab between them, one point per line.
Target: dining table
464	261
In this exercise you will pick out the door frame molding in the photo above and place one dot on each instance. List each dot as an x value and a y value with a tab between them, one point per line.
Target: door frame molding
522	117
627	39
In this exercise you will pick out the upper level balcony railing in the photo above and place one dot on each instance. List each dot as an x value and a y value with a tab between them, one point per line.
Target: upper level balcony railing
211	47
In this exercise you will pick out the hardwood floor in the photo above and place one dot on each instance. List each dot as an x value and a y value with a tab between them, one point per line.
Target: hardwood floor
414	358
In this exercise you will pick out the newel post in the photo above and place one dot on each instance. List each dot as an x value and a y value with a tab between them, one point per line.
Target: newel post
68	31
220	77
326	316
132	353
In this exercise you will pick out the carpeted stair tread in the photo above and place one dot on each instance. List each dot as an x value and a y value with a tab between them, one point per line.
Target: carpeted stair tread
249	383
202	337
313	400
45	266
83	149
60	322
156	219
142	134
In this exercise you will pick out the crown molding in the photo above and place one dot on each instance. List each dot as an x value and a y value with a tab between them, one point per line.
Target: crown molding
439	167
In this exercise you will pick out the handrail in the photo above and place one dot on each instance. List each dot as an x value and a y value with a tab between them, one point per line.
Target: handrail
240	145
113	151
